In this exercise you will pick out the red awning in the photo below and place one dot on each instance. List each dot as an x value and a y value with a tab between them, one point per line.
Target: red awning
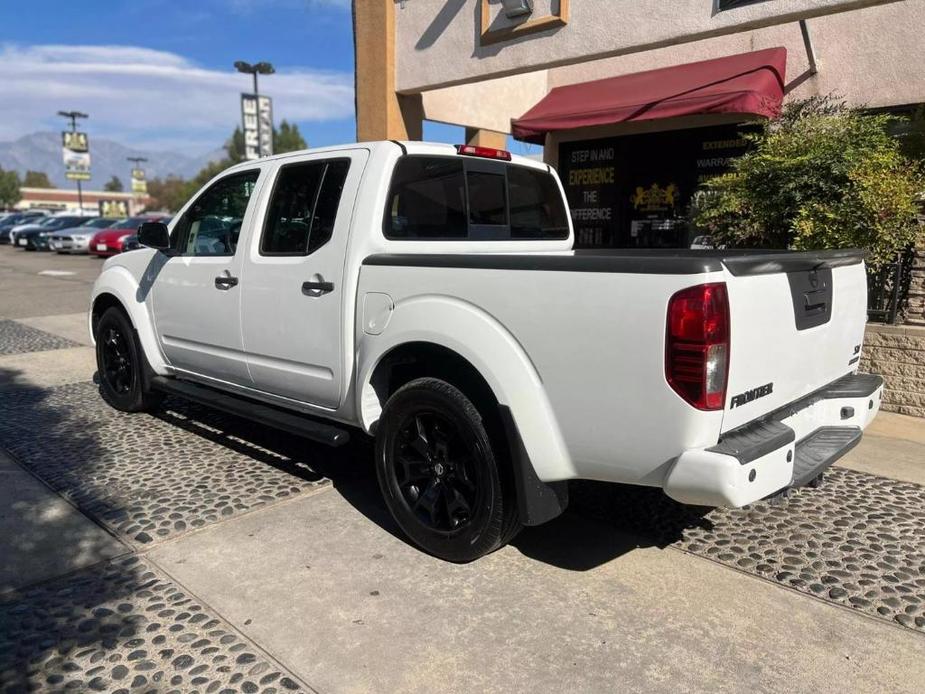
749	83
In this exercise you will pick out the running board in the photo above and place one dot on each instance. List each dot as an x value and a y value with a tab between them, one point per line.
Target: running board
253	411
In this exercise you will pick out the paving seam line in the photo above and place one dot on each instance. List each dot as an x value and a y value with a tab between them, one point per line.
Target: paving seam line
145	549
830	603
142	548
282	665
70	502
132	551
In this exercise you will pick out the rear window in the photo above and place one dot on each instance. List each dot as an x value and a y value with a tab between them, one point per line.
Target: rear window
455	198
487	198
537	210
427	200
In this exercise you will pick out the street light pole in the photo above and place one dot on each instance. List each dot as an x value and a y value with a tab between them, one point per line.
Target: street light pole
73	116
262	68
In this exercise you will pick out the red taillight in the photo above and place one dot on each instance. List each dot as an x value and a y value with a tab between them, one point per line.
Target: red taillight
697	345
484	152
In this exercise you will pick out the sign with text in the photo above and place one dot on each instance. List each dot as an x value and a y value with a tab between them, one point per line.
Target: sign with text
75	149
139	184
257	124
117	209
635	191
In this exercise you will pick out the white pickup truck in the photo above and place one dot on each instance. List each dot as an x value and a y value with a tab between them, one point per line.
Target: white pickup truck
429	296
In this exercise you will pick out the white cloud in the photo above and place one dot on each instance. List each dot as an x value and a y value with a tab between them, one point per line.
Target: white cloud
151	98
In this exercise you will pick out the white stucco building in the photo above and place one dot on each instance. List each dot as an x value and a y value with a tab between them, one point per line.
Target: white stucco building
635	101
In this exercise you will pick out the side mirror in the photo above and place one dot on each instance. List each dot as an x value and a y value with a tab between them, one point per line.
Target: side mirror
154	235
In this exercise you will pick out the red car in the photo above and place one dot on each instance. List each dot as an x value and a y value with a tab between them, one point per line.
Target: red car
110	241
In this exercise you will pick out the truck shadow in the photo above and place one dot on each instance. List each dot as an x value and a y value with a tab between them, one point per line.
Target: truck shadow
603	522
56	569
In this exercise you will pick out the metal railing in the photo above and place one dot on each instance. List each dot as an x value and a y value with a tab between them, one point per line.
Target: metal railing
888	289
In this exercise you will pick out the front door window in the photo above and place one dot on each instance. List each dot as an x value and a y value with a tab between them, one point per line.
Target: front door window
212	225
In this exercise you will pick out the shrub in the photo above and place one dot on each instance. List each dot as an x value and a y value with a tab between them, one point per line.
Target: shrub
823	175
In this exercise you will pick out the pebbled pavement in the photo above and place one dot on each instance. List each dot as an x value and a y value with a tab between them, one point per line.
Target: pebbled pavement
125	626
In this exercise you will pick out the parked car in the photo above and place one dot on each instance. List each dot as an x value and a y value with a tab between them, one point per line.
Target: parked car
34	237
131	243
16	219
430	297
77	239
109	241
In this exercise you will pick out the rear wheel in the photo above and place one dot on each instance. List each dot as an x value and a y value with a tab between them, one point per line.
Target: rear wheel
439	473
119	364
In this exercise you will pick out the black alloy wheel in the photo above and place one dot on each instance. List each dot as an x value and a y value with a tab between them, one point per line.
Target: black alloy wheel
119	360
435	472
439	473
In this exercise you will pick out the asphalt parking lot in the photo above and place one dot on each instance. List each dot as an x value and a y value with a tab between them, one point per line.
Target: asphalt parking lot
194	551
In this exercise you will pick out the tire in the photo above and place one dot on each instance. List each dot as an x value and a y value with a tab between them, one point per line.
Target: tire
439	473
119	363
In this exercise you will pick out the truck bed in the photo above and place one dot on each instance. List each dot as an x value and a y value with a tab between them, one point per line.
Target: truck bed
740	263
593	324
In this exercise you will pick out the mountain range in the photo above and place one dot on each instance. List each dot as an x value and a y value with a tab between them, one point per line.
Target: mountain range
41	151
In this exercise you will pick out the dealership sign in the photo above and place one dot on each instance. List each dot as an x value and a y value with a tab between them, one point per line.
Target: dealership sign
117	209
75	149
257	123
139	184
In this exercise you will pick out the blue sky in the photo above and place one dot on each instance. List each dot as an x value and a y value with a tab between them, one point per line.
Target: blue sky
158	74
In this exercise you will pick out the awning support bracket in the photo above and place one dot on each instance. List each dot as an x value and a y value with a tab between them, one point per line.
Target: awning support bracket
810	49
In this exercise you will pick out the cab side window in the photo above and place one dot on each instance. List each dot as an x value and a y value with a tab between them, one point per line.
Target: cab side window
212	225
303	208
427	199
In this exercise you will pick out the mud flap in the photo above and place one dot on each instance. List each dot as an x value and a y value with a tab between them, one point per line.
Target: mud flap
537	501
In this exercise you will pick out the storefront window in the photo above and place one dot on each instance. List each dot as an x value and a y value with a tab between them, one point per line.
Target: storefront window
635	191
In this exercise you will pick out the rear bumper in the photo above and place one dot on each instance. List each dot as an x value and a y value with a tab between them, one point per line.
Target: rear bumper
788	448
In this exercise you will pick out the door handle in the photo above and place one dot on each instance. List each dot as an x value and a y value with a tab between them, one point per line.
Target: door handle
317	288
225	282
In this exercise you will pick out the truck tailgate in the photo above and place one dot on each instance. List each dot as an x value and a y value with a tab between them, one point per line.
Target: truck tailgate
797	324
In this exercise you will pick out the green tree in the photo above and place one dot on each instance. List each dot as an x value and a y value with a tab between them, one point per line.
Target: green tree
823	175
169	193
173	192
234	146
9	188
287	138
36	179
113	185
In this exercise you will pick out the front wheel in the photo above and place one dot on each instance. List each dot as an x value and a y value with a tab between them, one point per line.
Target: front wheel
439	473
119	364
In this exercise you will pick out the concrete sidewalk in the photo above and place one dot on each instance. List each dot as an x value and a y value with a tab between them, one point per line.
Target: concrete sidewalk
50	366
41	535
349	607
893	446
